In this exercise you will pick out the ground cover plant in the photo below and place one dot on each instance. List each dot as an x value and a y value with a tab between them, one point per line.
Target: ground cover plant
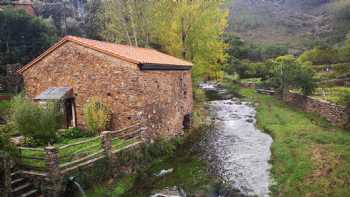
309	156
332	94
4	105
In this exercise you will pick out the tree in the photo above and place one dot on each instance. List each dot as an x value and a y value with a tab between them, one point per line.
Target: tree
94	19
23	37
127	21
289	73
192	30
187	29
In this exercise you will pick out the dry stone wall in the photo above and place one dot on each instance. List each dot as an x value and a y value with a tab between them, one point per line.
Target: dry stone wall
334	113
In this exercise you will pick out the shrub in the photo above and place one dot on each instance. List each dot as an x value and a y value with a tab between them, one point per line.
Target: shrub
161	147
5	134
96	115
38	122
199	95
31	142
73	133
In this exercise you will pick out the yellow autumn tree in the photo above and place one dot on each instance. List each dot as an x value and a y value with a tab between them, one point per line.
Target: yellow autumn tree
192	29
188	29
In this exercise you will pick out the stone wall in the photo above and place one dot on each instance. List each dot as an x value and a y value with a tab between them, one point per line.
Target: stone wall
248	85
159	98
334	113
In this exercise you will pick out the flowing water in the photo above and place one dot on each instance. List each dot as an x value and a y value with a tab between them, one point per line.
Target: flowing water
236	150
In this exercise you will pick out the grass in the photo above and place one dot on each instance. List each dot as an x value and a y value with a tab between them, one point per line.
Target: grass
189	173
113	189
251	80
309	156
71	153
4	105
332	94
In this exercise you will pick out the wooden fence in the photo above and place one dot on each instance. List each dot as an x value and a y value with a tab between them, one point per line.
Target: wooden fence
52	162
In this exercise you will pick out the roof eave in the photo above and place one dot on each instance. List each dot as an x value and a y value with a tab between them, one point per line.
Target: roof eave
164	67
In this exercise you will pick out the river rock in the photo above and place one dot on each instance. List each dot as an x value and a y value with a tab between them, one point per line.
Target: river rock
170	192
164	172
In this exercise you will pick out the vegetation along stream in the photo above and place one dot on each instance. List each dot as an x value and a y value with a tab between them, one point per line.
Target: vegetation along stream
236	150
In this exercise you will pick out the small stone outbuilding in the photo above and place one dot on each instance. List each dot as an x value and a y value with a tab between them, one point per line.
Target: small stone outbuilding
136	84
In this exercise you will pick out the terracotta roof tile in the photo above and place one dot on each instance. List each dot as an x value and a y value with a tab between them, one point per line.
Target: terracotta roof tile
128	53
139	55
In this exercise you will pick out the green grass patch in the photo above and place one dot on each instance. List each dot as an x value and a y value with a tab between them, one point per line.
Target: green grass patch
70	153
189	173
251	80
4	105
310	157
114	189
332	94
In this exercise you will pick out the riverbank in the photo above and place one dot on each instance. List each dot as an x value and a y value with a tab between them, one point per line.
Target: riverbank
309	156
184	169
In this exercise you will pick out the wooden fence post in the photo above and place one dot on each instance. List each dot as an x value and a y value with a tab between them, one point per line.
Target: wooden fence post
6	166
107	147
54	186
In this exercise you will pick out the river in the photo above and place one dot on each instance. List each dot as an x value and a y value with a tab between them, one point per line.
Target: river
235	149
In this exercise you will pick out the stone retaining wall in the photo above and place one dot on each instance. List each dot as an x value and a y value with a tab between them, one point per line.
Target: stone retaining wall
248	85
336	114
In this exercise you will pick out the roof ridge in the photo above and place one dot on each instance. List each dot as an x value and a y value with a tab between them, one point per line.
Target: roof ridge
110	43
132	54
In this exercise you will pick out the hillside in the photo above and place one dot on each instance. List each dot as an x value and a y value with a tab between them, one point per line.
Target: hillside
298	23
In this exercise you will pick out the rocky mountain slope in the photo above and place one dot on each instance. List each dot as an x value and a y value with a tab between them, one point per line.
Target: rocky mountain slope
298	23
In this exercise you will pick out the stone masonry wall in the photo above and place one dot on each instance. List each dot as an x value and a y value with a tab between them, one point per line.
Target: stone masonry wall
168	98
131	94
334	113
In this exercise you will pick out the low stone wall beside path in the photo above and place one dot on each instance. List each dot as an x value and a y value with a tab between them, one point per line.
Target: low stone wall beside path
335	114
248	85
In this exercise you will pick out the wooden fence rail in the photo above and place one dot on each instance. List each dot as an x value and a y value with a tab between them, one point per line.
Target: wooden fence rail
55	162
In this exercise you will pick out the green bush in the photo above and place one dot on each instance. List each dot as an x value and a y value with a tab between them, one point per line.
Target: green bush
31	142
199	95
38	122
161	147
73	133
96	115
5	134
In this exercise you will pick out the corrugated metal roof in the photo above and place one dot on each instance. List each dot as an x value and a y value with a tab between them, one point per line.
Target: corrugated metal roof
55	93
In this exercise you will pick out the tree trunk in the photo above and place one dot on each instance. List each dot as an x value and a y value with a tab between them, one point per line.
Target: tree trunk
285	91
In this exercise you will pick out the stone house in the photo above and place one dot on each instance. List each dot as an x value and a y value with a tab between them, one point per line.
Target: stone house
136	84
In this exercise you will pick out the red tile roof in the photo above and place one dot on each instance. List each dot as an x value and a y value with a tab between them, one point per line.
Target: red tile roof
128	53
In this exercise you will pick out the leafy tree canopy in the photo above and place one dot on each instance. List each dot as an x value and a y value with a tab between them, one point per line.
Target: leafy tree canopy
187	29
289	73
23	37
